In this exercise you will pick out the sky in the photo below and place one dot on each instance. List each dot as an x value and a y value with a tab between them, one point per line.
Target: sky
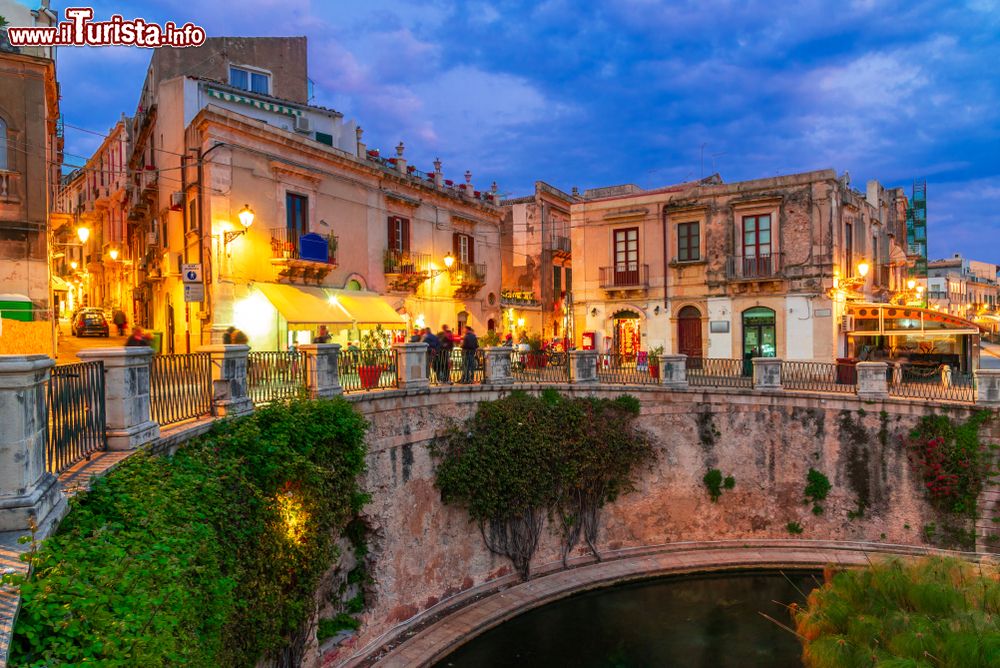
588	94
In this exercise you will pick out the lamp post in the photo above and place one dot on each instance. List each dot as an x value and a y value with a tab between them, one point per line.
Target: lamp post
83	233
449	260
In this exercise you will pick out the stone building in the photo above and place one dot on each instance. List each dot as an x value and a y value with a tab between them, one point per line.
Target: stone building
340	235
536	264
966	288
710	269
30	155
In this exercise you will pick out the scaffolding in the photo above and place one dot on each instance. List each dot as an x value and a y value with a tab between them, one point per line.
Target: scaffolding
916	231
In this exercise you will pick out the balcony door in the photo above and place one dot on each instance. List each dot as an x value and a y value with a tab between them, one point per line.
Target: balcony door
689	331
756	259
627	256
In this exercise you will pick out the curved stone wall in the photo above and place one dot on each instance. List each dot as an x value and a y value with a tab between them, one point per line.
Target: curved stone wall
426	556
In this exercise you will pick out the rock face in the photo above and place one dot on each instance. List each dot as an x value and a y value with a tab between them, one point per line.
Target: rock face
424	553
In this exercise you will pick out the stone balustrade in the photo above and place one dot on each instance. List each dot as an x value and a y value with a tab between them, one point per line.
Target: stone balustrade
126	395
229	379
766	373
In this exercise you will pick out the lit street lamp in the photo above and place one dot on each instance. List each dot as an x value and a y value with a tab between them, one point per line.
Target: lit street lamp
113	254
449	260
246	216
83	233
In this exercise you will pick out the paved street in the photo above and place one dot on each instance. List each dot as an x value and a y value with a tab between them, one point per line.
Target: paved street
990	358
69	345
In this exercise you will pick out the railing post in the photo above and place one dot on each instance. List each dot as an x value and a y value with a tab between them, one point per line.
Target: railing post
126	395
988	387
230	395
497	371
583	367
28	492
673	371
872	382
411	365
766	373
322	369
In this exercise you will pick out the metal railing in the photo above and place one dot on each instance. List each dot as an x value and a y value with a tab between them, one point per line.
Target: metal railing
626	370
464	273
559	244
451	367
363	370
286	245
76	426
919	381
273	375
180	387
744	268
719	372
819	377
403	262
539	367
626	275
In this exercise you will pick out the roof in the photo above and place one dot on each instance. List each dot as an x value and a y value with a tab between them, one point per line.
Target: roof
270	98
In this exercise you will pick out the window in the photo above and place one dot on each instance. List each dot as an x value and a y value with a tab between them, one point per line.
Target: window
849	249
688	242
296	214
399	234
3	144
627	256
192	214
464	248
255	82
556	281
759	330
569	280
757	236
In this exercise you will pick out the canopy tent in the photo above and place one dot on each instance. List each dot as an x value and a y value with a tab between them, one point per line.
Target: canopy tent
367	308
305	305
878	319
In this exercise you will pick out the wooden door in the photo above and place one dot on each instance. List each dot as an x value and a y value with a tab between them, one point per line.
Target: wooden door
689	332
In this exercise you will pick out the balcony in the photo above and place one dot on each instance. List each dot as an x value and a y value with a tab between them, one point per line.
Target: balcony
467	278
560	246
405	270
9	182
625	277
306	257
765	267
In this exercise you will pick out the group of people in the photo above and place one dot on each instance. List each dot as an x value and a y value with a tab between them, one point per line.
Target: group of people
439	348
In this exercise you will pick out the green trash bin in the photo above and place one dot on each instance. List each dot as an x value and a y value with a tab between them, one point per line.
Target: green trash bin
16	307
157	342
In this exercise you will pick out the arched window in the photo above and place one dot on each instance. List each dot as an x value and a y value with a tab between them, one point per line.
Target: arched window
759	338
3	144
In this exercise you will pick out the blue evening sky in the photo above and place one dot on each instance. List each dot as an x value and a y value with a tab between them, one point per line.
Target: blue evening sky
586	94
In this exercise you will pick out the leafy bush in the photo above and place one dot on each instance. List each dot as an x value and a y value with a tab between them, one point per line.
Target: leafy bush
522	457
206	558
716	483
793	528
817	487
931	612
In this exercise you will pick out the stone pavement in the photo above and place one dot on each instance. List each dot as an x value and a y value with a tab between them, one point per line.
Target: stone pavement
439	639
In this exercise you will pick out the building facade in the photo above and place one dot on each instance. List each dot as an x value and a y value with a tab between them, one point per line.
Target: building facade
753	268
537	269
339	235
966	288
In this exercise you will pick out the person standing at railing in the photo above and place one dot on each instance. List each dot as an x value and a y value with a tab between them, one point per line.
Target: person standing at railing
470	344
139	338
323	336
433	351
445	344
233	335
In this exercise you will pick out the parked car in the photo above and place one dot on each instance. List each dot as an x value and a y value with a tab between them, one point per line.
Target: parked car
91	322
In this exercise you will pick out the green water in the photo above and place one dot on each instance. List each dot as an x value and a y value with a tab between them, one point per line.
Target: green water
705	621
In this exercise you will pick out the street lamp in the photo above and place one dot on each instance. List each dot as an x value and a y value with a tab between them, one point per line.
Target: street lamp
246	216
73	265
113	254
83	233
449	260
863	268
910	284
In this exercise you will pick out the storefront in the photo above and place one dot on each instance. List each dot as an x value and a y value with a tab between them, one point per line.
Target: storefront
909	334
759	332
626	334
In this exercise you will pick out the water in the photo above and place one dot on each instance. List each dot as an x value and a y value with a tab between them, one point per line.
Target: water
704	621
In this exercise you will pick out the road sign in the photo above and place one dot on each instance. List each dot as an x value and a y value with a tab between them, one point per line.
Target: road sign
191	273
194	292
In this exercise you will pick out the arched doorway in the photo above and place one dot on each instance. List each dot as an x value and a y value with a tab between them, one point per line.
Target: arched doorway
759	338
626	334
689	332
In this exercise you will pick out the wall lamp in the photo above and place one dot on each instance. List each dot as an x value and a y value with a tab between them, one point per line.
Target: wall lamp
246	217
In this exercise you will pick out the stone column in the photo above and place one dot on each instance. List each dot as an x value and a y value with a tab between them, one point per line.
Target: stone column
411	365
673	371
322	367
126	395
872	383
988	387
583	367
497	371
229	379
766	373
27	490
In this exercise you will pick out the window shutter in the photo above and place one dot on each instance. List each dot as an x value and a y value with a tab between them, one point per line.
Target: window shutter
456	246
392	233
406	234
472	250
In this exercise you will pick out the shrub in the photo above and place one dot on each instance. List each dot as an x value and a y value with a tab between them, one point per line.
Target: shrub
716	483
793	528
817	487
931	612
206	558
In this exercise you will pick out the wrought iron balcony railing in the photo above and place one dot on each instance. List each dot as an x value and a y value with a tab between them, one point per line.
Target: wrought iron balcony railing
754	267
290	245
406	263
628	275
467	274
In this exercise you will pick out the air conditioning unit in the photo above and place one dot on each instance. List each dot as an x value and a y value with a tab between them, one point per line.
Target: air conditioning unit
171	264
177	201
847	323
302	124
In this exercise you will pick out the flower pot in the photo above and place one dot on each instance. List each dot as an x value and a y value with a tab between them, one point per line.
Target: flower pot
654	370
535	360
369	374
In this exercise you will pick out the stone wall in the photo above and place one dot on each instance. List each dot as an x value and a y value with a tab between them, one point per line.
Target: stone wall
423	552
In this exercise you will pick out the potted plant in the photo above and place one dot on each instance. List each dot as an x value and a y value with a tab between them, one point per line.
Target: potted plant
535	358
654	361
369	367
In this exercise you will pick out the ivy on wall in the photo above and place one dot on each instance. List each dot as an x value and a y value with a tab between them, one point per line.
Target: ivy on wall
210	557
523	458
